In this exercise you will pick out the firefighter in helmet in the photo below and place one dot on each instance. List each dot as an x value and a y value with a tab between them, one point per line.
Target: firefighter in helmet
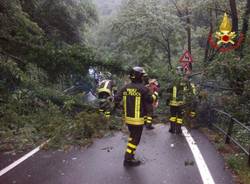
135	97
106	92
153	86
177	99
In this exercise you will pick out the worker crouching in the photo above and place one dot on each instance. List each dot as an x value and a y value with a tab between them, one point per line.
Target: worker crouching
106	91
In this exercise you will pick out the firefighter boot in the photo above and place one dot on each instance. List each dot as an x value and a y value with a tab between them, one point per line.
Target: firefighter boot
178	129
149	126
130	161
148	122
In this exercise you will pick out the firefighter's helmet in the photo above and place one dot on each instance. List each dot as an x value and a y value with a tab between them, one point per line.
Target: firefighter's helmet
179	70
136	74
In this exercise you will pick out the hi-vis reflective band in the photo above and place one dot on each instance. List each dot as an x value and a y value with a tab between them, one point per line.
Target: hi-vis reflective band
174	93
193	87
137	107
132	146
105	89
184	97
106	84
173	119
149	119
134	121
179	120
175	103
125	105
192	114
129	150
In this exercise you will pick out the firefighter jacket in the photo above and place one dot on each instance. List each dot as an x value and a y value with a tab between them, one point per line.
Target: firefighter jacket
107	86
136	98
180	93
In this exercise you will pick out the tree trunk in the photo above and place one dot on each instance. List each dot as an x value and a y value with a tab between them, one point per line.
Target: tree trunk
188	31
169	55
211	30
245	26
234	15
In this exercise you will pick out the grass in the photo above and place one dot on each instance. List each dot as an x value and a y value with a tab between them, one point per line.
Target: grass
236	161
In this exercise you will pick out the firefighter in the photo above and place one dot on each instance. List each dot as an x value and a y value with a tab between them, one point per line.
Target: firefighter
106	91
153	87
135	97
191	101
181	92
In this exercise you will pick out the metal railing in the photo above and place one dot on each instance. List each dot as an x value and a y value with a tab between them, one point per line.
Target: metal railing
229	127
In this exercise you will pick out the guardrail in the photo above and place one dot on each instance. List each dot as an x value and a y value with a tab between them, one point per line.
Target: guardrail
228	129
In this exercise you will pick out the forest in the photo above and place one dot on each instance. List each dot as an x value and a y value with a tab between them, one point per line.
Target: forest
47	46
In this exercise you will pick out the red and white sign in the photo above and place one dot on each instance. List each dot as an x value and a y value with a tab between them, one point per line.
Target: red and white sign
186	61
186	58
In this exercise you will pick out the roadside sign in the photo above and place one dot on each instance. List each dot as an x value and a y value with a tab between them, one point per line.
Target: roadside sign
186	58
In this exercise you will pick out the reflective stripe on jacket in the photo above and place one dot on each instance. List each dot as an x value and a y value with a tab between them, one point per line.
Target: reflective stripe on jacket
136	98
178	97
105	86
178	93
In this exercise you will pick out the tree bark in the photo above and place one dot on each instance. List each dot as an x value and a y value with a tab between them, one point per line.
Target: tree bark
234	15
207	43
245	26
182	13
189	32
169	55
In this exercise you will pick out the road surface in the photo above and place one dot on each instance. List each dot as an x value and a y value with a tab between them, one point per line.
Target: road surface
167	159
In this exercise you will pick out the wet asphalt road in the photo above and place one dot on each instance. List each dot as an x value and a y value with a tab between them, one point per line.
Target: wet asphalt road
101	163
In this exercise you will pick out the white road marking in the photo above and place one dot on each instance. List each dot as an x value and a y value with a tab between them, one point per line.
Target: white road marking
20	160
202	166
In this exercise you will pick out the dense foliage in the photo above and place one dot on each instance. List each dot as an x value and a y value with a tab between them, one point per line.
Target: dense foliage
48	45
43	51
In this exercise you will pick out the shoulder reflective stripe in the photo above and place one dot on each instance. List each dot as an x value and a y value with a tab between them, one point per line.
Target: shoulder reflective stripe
174	92
125	105
105	88
137	106
106	84
132	145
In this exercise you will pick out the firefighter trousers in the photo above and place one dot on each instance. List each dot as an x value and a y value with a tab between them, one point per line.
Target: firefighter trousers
104	104
176	119
135	132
